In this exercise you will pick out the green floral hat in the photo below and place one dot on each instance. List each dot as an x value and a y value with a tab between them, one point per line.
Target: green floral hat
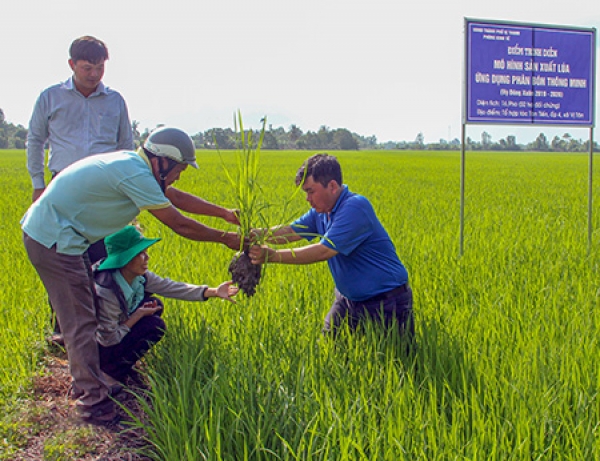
123	246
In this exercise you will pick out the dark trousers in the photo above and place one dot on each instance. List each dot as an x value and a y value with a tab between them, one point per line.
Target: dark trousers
70	285
393	306
118	360
95	252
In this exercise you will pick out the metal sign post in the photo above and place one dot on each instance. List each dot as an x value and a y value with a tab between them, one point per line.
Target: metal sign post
526	74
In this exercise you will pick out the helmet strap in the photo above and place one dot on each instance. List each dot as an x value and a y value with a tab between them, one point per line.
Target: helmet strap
164	172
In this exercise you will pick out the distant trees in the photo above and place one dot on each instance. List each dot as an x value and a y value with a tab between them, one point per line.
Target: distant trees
344	139
270	141
325	138
136	132
219	137
568	144
11	136
198	139
295	133
511	143
294	138
540	144
486	140
419	141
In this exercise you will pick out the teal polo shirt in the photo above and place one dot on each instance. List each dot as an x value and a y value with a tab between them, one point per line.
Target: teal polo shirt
92	198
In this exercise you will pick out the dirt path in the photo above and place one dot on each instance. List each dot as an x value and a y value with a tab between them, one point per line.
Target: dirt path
50	430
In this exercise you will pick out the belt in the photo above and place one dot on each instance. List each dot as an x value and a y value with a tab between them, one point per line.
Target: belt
389	294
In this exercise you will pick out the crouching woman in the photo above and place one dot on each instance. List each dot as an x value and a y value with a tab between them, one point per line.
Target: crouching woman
129	321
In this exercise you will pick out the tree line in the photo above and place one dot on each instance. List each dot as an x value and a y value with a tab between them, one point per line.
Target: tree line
11	136
278	138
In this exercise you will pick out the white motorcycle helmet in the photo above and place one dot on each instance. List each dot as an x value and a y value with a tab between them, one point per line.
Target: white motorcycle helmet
172	143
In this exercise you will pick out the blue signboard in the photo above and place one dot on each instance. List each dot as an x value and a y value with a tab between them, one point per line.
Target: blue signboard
525	74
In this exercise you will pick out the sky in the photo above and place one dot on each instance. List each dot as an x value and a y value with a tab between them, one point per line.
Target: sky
384	68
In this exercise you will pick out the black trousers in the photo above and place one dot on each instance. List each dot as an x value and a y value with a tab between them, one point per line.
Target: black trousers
393	306
118	360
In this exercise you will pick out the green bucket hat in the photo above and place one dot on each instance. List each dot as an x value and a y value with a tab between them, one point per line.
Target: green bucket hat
123	246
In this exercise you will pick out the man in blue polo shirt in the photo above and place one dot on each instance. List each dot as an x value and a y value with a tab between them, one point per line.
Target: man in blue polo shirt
370	280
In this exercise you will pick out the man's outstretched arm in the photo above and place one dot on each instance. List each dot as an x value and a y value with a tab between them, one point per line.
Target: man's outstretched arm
193	204
309	254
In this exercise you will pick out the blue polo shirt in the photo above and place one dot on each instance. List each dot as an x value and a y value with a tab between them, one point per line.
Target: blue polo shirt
366	264
92	198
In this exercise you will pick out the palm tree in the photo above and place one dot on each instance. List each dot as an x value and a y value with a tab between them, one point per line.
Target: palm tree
294	135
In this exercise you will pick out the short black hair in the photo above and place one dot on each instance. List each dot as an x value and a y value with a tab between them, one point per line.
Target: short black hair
88	48
322	167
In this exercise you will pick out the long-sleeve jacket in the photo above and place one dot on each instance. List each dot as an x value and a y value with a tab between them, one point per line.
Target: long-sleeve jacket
112	309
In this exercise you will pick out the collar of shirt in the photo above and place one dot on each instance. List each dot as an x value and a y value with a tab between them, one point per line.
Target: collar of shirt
133	293
101	89
142	154
340	199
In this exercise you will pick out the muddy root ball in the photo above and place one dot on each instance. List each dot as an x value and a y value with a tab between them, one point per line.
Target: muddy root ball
244	274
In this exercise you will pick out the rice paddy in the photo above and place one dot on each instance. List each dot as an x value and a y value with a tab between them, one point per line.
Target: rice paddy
505	364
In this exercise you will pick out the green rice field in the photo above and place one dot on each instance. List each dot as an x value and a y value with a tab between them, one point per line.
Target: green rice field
507	334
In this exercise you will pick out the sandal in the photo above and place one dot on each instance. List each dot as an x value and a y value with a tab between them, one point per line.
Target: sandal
103	416
75	393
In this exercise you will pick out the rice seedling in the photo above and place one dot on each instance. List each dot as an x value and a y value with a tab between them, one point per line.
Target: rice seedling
249	198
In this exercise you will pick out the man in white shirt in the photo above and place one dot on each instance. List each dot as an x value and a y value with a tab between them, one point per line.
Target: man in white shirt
77	118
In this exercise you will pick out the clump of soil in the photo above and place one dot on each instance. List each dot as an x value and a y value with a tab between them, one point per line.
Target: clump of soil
245	274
